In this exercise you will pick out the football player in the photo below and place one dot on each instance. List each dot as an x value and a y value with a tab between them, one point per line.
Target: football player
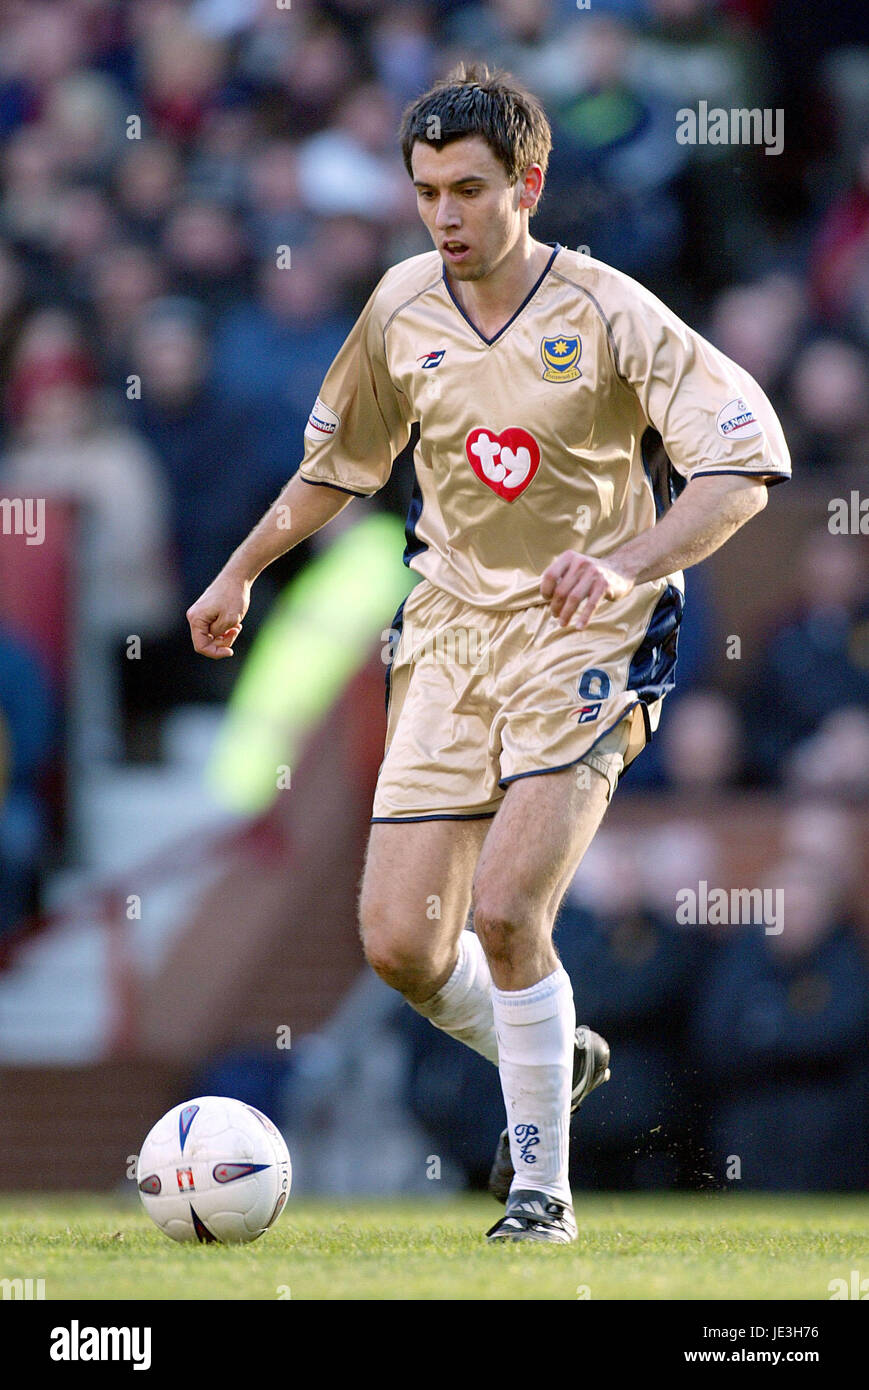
550	531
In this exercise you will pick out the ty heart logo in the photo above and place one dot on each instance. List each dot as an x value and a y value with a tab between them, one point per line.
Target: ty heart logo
505	462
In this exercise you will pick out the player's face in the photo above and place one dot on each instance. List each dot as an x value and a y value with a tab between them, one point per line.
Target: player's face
474	214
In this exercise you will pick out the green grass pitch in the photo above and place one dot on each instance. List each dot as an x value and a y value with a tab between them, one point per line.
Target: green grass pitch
710	1246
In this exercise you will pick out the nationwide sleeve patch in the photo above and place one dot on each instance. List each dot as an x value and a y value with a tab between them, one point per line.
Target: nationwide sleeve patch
322	422
737	420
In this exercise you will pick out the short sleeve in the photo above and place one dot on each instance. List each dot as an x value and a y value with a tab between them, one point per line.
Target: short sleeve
711	414
359	422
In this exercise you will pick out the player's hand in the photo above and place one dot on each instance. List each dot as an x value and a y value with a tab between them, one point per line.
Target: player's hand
215	619
576	583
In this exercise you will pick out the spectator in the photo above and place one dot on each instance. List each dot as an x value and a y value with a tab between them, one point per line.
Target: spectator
30	172
829	422
301	73
84	120
26	737
403	49
835	760
702	744
205	253
124	279
351	167
274	216
63	448
86	224
219	162
615	159
789	1088
839	250
200	439
822	831
758	325
813	665
43	43
148	183
183	71
13	312
269	354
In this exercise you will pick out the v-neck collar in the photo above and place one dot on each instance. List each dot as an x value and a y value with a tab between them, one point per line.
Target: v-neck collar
529	296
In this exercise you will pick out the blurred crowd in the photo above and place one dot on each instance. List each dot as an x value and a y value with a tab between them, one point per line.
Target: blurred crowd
198	197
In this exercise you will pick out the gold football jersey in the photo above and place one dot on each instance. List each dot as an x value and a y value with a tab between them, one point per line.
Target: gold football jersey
534	441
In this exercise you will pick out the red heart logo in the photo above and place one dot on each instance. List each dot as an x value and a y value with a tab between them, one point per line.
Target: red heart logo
505	462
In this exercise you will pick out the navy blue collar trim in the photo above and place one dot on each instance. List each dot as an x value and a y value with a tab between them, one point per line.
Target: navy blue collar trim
529	296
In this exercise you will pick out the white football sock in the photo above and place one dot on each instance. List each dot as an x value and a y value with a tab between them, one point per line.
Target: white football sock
463	1006
535	1031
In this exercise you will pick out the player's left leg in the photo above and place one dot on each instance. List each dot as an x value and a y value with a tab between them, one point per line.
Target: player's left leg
531	852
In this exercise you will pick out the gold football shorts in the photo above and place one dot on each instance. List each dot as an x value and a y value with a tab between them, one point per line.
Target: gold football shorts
477	698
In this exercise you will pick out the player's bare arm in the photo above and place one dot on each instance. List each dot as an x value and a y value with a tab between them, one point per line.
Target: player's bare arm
706	514
215	618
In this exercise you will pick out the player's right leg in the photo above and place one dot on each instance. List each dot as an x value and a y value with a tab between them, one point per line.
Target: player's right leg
414	903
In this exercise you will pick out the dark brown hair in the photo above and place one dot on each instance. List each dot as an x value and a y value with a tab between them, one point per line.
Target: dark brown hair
474	101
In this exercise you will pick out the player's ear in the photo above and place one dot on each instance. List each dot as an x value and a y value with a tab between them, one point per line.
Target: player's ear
530	186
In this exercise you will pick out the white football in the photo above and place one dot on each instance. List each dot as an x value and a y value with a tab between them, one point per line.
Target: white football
214	1170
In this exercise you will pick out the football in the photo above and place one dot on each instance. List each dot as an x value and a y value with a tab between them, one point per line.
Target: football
214	1170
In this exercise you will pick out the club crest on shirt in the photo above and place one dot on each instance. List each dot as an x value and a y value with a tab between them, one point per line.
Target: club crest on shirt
560	355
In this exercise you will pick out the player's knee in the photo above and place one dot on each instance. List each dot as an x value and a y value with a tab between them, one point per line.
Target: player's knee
396	961
501	924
